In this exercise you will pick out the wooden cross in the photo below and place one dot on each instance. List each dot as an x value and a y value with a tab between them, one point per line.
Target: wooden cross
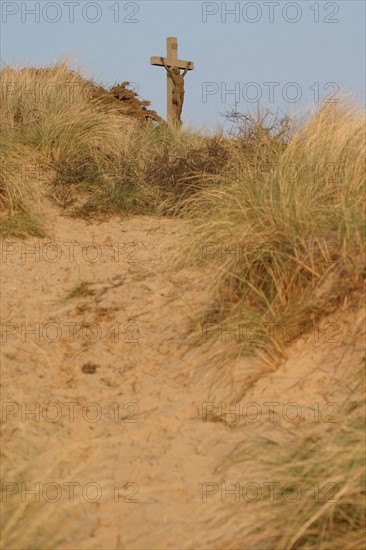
171	60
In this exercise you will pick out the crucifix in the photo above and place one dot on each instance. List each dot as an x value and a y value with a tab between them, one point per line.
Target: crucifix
175	80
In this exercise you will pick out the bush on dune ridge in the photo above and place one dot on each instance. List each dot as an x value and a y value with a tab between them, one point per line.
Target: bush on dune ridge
106	153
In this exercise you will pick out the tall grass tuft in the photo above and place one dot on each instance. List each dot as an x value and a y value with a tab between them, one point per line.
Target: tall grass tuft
51	114
284	242
317	474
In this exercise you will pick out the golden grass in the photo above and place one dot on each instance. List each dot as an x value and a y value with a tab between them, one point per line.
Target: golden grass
322	468
285	247
50	119
53	109
22	191
30	521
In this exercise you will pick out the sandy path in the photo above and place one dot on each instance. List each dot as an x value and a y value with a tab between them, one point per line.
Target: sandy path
142	381
154	437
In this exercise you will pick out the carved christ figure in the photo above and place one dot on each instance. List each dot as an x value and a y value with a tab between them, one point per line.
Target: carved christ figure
178	89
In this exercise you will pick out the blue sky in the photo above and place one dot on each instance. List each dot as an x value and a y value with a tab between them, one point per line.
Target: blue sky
287	55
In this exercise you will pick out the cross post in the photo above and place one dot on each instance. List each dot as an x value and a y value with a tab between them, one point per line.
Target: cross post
171	60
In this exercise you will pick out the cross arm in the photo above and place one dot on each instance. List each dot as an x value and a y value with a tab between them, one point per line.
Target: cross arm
155	60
